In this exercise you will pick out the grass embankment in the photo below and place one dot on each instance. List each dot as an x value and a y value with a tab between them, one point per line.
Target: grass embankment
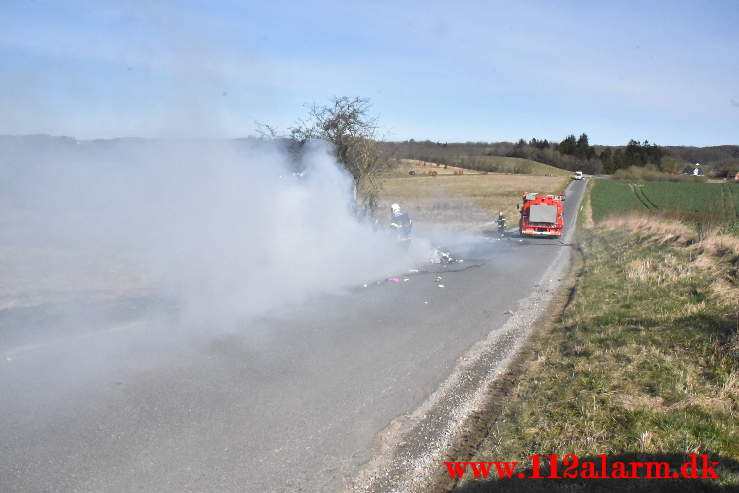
643	365
469	199
706	206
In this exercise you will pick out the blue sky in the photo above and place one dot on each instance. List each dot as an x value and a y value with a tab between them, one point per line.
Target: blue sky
667	71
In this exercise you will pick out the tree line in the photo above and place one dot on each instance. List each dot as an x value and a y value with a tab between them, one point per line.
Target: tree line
635	154
576	153
572	153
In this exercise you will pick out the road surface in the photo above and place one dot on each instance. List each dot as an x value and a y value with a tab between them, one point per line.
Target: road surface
293	402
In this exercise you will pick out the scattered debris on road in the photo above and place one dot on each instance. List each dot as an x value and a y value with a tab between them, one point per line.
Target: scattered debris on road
442	257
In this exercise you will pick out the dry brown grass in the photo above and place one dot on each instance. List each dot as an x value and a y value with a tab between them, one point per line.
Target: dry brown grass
498	164
710	253
662	271
587	210
714	252
719	245
424	168
660	229
469	199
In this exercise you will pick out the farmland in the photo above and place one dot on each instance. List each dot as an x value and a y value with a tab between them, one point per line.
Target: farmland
481	164
705	205
462	200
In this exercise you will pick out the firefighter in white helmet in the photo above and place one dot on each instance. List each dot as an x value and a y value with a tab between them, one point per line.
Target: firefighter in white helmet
400	223
501	223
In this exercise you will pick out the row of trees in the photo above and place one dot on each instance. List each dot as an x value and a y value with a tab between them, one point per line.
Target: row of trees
635	154
574	153
580	148
443	152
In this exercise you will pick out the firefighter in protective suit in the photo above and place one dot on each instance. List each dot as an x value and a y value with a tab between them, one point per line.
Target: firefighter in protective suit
400	224
501	223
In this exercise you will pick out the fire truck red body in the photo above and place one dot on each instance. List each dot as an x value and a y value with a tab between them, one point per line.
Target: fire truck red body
541	215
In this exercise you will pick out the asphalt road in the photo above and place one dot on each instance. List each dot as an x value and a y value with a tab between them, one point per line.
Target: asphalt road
292	402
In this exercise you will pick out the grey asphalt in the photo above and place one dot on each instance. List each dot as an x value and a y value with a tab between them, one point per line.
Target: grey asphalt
293	402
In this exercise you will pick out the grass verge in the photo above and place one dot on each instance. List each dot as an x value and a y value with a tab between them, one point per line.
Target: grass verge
642	366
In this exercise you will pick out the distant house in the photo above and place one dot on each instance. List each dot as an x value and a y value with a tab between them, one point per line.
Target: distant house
693	170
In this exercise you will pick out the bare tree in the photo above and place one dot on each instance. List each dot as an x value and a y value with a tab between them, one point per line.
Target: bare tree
266	131
347	125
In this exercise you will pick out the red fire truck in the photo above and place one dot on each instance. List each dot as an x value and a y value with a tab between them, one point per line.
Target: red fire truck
541	215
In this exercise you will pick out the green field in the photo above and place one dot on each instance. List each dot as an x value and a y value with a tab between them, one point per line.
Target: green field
701	204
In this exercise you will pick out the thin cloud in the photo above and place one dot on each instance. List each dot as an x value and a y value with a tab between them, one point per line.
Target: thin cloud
735	103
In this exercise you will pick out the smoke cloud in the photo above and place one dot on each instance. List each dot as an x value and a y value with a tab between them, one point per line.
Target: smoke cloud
222	227
117	255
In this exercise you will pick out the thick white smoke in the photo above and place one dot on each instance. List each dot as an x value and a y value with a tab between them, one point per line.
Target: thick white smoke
117	255
224	228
